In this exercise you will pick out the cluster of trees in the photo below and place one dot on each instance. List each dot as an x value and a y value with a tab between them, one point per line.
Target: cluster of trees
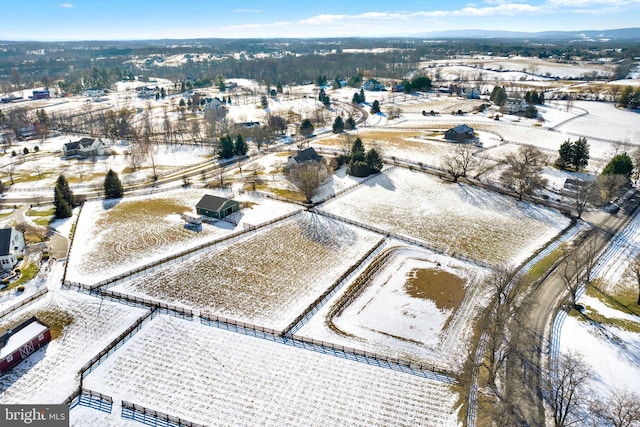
363	162
64	199
629	97
324	98
96	77
227	148
573	154
358	97
533	97
340	125
416	84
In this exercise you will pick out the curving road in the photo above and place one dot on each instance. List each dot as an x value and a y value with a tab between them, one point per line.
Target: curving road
531	328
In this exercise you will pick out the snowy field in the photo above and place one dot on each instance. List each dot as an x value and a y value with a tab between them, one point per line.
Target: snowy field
37	171
607	122
215	377
85	325
267	278
426	322
456	218
115	236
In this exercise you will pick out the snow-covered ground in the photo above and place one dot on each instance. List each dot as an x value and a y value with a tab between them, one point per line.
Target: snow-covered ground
115	236
216	377
265	279
390	319
456	218
87	325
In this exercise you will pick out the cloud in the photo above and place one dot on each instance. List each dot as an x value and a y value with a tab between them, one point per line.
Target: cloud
66	5
246	11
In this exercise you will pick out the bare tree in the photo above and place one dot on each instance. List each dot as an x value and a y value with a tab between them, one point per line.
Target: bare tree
621	409
307	178
523	170
566	390
499	313
220	175
461	162
578	264
610	186
254	177
586	192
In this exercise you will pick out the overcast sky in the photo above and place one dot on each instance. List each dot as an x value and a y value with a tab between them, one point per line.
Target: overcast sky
143	19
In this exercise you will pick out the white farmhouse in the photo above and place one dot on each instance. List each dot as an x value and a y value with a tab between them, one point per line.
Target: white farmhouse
11	246
86	147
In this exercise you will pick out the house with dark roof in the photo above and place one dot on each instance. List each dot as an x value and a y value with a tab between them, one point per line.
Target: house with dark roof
11	246
216	207
460	133
86	147
306	158
20	342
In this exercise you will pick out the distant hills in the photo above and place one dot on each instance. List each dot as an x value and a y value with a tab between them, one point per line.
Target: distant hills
597	35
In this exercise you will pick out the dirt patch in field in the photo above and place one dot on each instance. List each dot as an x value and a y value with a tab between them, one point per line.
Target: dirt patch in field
443	288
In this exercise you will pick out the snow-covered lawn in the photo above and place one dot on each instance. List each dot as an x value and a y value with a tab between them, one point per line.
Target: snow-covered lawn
38	171
115	236
267	278
216	377
605	121
85	325
419	306
612	353
456	218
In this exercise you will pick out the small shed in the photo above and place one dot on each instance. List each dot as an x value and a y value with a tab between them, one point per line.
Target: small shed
19	343
216	207
460	133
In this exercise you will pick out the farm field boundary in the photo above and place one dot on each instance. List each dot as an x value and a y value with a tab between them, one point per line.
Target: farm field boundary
115	344
472	406
402	238
329	349
180	256
22	303
304	317
131	411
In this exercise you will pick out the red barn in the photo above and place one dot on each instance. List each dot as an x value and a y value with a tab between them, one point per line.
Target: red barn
18	343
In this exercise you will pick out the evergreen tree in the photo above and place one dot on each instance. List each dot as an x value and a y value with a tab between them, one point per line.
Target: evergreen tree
62	209
112	186
373	160
321	95
65	190
279	87
62	198
241	147
621	164
226	147
306	127
350	124
498	95
338	125
357	151
375	107
361	96
566	154
580	153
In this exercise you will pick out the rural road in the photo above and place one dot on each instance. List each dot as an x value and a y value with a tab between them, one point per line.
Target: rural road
531	328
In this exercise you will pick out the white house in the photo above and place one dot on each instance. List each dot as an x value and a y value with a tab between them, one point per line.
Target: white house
86	147
373	85
11	246
514	106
